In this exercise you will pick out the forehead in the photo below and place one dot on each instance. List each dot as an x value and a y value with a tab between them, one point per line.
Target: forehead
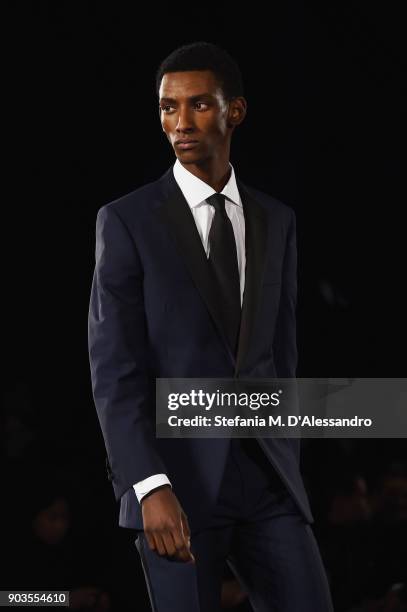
184	84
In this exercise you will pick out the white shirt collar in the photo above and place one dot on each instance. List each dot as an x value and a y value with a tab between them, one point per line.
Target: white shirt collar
197	191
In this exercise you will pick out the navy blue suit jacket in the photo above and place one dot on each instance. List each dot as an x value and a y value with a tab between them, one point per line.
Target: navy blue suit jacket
154	313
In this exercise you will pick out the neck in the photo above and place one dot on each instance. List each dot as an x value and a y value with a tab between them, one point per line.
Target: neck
214	174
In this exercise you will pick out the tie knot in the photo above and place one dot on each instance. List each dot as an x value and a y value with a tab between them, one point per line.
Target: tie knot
217	200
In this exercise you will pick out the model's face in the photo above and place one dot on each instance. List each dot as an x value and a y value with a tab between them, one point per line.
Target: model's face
193	108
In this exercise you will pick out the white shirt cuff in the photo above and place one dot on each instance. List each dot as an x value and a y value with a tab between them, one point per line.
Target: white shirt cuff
152	482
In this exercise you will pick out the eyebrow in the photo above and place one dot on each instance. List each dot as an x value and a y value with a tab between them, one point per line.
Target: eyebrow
191	98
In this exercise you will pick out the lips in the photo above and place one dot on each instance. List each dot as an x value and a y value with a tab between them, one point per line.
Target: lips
185	140
186	144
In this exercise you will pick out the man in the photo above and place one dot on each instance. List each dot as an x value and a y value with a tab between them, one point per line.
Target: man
196	277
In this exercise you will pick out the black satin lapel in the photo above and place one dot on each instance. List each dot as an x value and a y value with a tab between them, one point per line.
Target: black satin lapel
176	215
256	246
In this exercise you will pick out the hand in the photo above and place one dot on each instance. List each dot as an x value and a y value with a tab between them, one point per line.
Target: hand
166	525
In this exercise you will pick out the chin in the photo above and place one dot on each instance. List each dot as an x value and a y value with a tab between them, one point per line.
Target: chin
189	157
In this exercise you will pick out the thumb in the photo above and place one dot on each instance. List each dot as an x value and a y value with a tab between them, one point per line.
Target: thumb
185	526
186	532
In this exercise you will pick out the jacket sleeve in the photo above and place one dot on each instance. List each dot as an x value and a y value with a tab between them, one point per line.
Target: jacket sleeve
123	389
285	335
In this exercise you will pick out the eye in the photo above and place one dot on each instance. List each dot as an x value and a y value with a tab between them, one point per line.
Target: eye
165	108
201	105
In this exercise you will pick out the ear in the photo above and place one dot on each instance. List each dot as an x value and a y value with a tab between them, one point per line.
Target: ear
237	111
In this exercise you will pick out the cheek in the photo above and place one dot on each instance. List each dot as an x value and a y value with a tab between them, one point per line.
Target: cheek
217	129
166	125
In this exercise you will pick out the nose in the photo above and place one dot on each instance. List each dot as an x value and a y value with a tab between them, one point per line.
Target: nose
185	123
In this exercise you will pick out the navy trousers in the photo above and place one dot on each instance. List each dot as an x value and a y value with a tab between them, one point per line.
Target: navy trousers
258	529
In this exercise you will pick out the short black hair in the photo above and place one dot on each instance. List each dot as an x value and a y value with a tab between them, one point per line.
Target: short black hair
203	55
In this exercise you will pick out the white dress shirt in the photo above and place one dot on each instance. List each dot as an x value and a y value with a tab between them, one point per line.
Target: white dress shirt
196	192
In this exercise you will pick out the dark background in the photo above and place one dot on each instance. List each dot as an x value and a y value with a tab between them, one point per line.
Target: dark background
324	133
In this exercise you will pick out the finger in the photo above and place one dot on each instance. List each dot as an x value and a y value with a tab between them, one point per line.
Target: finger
160	548
185	525
184	554
182	546
150	540
169	543
187	534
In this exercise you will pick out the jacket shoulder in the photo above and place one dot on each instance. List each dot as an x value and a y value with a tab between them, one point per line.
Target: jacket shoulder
274	207
137	201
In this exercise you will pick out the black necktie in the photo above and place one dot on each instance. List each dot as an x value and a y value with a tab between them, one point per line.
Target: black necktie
223	260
